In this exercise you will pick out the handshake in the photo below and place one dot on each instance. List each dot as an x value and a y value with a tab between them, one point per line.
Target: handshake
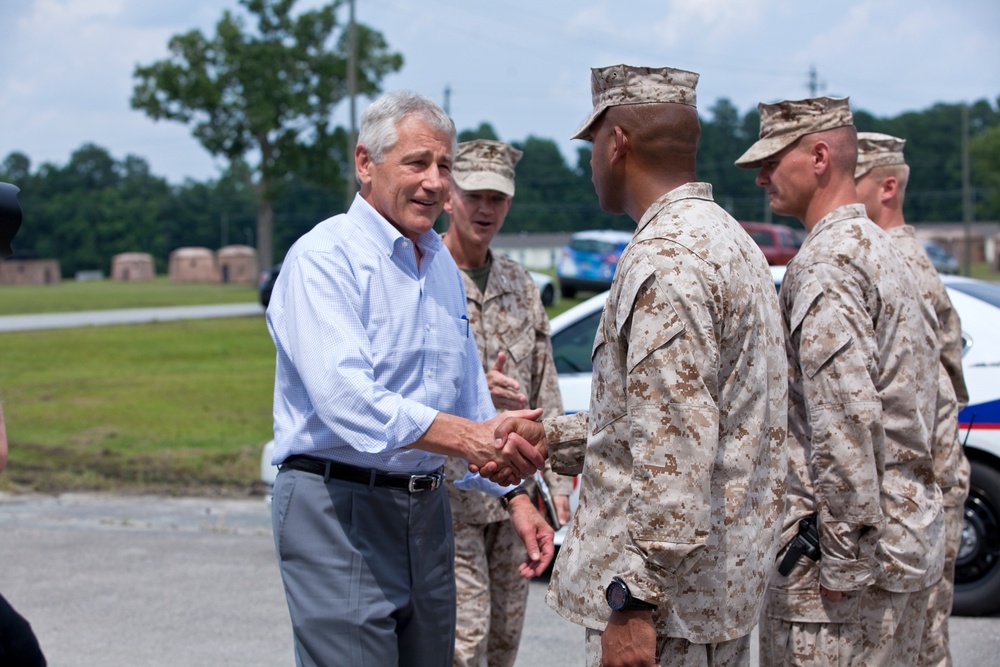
519	447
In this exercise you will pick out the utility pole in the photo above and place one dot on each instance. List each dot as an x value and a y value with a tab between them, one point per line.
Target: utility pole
966	193
814	85
352	91
447	99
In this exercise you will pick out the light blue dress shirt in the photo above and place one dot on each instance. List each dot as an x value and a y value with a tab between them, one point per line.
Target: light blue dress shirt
371	346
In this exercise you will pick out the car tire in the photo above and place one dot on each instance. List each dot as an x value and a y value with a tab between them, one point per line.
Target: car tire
548	295
567	292
977	571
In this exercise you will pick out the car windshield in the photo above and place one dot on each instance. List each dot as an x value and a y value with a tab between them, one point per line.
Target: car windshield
988	292
572	347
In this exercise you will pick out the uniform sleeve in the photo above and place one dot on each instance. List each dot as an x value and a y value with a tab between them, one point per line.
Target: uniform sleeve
567	440
671	363
545	392
951	344
831	336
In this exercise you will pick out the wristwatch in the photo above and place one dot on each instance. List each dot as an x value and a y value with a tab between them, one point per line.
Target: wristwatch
510	495
620	598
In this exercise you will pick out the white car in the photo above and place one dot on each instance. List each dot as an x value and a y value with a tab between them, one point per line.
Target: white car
546	287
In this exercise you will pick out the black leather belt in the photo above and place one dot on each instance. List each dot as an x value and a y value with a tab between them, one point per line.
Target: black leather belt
333	470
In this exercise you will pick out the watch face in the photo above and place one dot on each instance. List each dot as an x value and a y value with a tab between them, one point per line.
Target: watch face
617	595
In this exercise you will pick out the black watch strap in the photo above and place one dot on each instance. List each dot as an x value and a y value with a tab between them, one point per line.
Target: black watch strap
510	495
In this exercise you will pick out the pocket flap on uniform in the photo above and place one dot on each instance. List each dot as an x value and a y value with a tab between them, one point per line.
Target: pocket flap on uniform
827	334
520	344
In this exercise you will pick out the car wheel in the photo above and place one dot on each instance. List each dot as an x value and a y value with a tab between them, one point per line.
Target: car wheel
567	292
548	295
977	570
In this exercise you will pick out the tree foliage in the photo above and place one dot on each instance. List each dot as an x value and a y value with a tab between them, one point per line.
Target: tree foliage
89	210
262	98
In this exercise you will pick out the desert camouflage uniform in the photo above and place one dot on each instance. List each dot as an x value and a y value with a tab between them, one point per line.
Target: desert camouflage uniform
951	467
862	409
683	481
492	595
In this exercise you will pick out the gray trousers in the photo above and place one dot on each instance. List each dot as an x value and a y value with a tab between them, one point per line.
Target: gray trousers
368	572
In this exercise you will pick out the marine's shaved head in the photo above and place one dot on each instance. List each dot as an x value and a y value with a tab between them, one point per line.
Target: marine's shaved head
663	137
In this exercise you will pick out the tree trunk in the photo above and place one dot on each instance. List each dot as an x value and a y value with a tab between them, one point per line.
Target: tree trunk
265	232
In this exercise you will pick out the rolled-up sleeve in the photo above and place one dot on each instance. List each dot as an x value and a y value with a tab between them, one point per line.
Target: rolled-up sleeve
673	426
832	331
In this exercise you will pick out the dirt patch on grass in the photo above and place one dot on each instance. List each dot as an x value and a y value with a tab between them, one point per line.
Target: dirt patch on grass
43	469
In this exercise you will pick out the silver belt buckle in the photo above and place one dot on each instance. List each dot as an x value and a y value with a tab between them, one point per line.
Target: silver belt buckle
434	478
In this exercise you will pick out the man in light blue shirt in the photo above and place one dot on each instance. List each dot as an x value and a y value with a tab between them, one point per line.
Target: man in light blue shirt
377	380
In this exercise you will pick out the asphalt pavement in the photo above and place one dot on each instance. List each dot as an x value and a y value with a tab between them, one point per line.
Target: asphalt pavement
120	581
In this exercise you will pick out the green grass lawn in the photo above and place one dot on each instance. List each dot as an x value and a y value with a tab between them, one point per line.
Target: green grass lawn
179	407
70	295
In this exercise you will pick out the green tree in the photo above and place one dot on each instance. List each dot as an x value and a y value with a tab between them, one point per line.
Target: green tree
724	138
16	169
484	131
262	99
984	153
934	153
91	209
551	196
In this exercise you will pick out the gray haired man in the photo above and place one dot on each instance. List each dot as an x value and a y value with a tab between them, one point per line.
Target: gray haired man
378	379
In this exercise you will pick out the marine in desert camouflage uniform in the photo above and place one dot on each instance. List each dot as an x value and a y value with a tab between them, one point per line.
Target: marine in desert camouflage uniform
508	320
683	477
862	409
881	177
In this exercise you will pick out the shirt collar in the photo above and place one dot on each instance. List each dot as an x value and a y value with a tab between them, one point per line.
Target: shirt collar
846	212
385	235
686	191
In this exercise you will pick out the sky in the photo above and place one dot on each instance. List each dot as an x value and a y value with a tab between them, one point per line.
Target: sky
66	66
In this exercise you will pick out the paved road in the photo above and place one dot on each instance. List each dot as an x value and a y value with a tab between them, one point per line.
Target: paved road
160	582
125	316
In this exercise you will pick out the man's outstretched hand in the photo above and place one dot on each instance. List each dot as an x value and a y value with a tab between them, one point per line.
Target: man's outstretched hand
517	438
509	464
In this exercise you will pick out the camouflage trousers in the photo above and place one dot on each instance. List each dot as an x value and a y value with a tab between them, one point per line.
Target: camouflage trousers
934	647
677	652
492	596
887	633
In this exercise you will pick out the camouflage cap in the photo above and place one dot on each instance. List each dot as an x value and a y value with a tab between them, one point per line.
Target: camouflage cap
784	123
624	84
483	164
878	150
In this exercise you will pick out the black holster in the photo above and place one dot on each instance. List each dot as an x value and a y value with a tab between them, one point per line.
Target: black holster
805	543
